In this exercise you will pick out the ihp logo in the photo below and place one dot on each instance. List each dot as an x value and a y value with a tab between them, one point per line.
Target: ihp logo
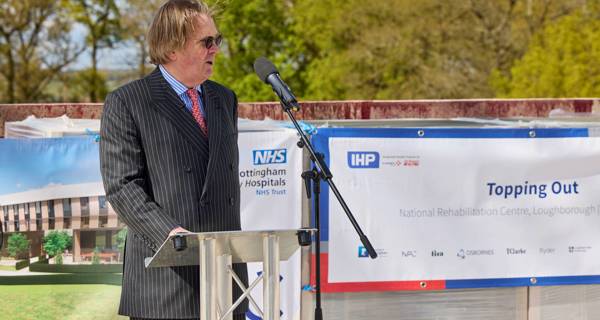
269	156
362	252
363	159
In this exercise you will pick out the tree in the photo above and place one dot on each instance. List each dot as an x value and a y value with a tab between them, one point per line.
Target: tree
101	18
251	29
136	16
55	243
505	27
562	61
400	49
17	245
388	49
35	47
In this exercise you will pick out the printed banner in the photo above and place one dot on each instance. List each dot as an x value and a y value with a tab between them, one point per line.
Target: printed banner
270	167
271	196
452	208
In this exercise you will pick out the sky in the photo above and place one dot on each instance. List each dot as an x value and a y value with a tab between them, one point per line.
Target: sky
28	164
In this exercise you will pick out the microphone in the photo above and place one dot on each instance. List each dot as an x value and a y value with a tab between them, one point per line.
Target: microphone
267	72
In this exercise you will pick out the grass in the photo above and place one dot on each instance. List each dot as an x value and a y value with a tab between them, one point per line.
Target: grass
64	301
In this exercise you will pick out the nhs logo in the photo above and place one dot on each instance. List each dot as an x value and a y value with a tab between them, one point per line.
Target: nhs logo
362	252
269	156
363	159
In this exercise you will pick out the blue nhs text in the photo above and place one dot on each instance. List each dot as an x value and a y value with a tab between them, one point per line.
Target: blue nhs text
274	156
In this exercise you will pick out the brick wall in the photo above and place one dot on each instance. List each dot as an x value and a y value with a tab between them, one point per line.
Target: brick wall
323	110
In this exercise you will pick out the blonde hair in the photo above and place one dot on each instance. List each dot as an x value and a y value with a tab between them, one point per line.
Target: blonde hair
172	26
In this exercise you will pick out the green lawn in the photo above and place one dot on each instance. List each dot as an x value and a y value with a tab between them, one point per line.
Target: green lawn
60	301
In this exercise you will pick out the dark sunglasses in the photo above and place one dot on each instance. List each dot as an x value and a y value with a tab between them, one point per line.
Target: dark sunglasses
211	41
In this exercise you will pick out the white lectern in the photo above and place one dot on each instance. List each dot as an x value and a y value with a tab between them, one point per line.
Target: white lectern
214	252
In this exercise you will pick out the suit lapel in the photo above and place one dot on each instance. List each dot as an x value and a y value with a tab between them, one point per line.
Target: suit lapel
171	107
214	110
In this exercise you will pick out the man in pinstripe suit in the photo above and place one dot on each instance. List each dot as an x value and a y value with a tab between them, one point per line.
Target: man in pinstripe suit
169	160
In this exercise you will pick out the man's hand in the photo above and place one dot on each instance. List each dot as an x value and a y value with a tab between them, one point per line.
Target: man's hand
178	230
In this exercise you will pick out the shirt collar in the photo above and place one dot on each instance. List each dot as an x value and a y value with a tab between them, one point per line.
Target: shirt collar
179	87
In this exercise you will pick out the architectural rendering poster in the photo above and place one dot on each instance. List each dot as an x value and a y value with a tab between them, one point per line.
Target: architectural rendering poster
46	169
452	208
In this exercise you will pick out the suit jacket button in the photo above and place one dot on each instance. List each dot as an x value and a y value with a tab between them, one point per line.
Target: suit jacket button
188	169
203	203
231	201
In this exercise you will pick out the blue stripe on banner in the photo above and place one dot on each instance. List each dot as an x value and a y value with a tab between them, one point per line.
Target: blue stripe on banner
320	141
521	282
473	133
321	144
487	283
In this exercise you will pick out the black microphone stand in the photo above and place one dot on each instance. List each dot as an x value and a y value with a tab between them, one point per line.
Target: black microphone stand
312	176
319	172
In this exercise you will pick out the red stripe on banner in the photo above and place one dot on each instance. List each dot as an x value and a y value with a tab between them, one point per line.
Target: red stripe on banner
368	286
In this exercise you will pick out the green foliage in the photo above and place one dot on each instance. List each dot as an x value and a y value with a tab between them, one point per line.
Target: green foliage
96	256
35	46
68	88
562	61
136	16
101	17
253	28
102	20
400	49
58	259
17	245
93	82
56	242
334	49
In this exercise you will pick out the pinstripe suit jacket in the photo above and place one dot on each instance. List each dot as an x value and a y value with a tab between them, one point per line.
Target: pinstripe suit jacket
159	173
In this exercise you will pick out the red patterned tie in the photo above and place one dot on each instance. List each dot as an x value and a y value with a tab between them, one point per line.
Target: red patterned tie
193	94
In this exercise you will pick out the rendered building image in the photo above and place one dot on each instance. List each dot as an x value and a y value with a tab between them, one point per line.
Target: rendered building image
93	223
55	184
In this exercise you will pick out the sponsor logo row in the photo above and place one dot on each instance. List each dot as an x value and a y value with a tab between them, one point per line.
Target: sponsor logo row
465	253
356	159
375	160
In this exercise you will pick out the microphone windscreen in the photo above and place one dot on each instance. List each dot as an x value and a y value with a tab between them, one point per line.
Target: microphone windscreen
264	68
